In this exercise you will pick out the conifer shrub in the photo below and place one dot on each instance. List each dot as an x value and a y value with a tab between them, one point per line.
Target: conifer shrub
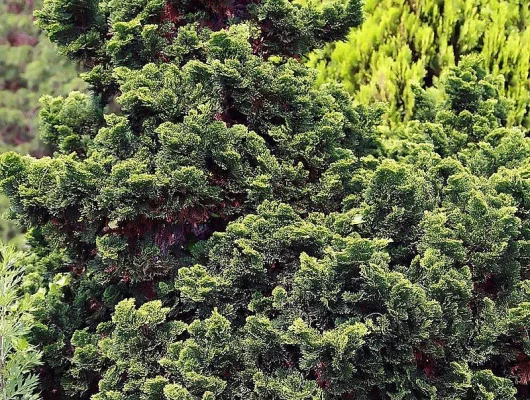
231	232
29	68
405	43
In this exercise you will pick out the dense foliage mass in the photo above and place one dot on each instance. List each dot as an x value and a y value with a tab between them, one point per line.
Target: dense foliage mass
231	232
403	43
29	68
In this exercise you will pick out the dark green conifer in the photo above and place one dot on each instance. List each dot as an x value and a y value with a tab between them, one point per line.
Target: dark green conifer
29	68
230	232
216	115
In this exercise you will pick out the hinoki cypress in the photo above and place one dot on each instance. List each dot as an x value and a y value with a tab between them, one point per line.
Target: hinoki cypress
212	226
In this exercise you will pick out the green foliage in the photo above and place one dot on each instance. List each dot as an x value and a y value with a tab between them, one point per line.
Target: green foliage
29	68
17	357
198	140
231	232
406	43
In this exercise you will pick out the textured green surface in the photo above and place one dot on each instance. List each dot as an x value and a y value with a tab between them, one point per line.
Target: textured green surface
231	232
29	68
402	43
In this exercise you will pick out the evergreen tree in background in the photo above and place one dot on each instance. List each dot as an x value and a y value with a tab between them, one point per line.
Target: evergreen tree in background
29	68
232	232
404	43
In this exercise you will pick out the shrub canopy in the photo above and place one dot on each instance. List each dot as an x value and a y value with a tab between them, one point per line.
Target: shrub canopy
406	43
231	232
29	68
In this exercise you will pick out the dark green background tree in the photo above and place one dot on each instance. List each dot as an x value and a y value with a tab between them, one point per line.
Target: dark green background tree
29	68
